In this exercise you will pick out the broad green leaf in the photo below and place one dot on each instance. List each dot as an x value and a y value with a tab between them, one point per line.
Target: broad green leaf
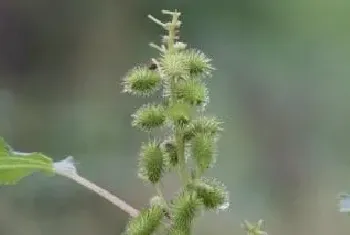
15	166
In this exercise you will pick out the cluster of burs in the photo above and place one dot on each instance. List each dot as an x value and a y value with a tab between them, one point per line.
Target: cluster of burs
187	144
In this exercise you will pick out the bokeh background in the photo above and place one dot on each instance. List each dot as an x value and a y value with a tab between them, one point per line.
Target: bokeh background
281	86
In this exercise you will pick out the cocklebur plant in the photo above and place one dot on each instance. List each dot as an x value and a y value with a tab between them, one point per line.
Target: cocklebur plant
187	144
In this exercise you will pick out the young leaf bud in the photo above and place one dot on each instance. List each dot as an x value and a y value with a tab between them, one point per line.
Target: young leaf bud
191	91
253	229
152	164
142	81
203	151
149	116
212	193
204	125
146	222
198	63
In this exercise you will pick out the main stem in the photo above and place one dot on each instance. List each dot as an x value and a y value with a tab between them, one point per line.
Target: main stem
180	145
172	28
181	155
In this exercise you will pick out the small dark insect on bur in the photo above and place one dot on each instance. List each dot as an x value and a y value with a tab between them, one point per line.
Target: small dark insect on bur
167	214
152	66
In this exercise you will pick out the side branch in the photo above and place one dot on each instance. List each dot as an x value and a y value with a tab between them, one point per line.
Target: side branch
101	192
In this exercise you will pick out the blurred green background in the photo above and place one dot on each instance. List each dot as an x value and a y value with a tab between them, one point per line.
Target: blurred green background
281	87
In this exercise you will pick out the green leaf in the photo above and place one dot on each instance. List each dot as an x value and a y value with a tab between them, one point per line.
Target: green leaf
15	166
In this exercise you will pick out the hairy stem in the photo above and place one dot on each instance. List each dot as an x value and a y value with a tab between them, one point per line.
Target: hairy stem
181	155
161	195
178	133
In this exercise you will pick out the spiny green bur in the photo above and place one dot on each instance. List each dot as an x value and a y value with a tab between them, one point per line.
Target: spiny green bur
189	147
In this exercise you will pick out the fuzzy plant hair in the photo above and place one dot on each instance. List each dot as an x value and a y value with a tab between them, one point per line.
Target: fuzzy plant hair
186	145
